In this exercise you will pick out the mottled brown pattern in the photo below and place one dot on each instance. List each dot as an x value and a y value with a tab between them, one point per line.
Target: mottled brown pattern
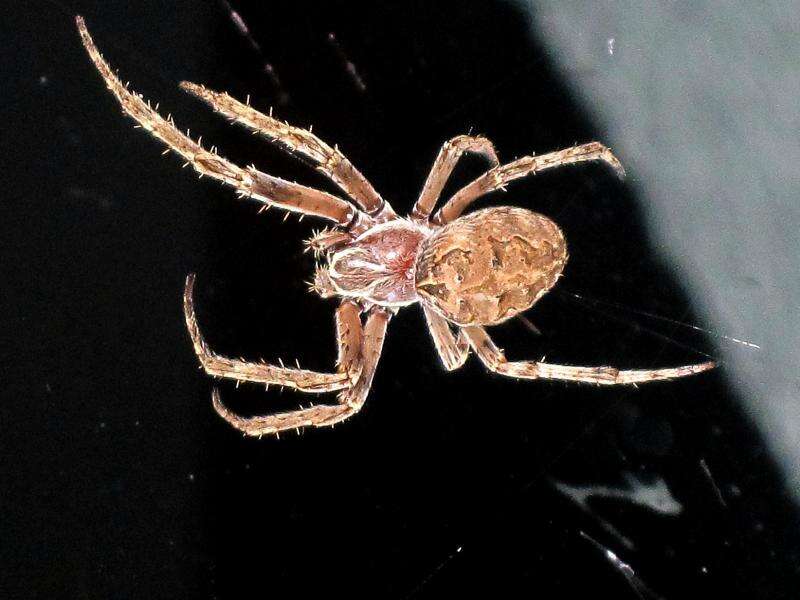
490	265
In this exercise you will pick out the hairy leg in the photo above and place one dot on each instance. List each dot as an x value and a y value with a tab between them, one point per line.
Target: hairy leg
326	240
330	161
315	416
498	177
443	166
348	325
351	399
249	181
494	359
453	351
371	348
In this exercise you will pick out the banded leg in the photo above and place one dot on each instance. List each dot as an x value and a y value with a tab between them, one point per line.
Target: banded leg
443	166
315	416
330	161
494	359
351	399
498	177
453	351
248	182
348	327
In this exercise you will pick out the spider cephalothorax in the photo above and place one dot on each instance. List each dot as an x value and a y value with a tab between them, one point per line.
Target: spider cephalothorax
377	266
465	272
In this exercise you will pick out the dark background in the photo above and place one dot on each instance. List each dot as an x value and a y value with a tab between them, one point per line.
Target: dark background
119	481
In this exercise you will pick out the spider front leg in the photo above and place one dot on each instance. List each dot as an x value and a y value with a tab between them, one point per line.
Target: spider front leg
350	400
498	177
493	358
348	326
443	166
330	161
248	182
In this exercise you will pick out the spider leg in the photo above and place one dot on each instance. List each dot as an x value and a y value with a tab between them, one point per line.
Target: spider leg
327	240
453	351
348	326
315	416
494	359
371	348
498	177
350	400
249	182
443	166
330	161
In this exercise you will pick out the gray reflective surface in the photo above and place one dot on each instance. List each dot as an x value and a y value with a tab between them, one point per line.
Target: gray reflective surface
700	101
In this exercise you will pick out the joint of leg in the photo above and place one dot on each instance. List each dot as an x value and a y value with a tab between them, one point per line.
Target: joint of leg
352	219
522	369
376	213
359	222
417	215
495	359
334	158
497	179
353	370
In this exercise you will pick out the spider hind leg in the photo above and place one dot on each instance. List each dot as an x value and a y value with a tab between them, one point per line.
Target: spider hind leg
494	360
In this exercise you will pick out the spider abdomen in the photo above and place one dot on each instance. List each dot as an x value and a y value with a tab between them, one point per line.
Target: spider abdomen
490	265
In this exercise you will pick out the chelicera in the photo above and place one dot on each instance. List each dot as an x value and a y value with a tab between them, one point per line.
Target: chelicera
466	272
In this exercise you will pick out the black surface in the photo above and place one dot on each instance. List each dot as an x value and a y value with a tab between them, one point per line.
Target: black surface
120	481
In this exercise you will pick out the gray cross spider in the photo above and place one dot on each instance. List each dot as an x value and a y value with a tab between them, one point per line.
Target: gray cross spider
465	272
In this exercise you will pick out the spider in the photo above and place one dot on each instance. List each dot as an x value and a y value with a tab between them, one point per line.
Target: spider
466	272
